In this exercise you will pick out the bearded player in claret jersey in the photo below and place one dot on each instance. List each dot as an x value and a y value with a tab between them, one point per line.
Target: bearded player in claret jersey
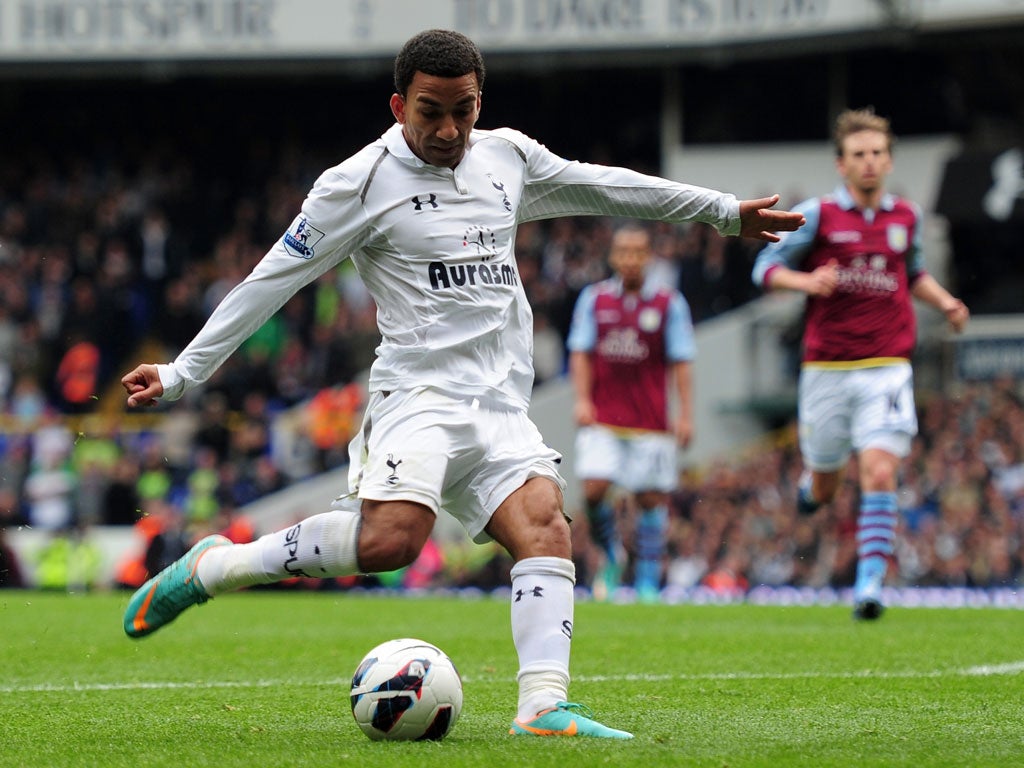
859	261
630	339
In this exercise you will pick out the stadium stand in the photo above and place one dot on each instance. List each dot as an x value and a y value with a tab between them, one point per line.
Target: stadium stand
130	204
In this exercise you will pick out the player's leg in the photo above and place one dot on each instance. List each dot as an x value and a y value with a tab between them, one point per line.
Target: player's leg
383	536
531	526
876	529
397	466
604	534
599	459
651	530
652	473
824	430
815	489
514	495
886	421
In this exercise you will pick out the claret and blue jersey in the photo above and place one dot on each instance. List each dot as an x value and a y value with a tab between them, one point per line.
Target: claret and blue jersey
870	315
632	340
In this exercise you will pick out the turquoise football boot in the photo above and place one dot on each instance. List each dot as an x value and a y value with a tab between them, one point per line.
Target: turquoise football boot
566	719
175	588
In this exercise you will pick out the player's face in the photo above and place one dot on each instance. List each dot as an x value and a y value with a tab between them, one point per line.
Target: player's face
865	161
437	115
629	255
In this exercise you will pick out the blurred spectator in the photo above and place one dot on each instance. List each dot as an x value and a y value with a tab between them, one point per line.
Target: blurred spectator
93	460
331	417
233	524
155	480
130	572
178	316
427	570
265	478
11	576
727	577
78	376
121	501
28	401
171	539
214	432
687	564
162	261
201	485
49	492
14	465
70	561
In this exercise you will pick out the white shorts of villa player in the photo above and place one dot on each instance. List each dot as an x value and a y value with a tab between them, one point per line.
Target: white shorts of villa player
846	410
636	460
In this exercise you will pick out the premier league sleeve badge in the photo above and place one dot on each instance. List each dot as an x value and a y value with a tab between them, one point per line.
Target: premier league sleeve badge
301	238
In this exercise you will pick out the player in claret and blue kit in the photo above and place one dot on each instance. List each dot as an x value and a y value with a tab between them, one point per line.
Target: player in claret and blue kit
859	261
631	343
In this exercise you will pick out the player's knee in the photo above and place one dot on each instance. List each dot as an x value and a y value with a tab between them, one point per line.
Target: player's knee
392	537
387	550
531	522
880	476
547	536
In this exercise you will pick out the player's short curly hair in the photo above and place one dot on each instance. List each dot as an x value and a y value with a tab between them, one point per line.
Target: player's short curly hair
438	52
852	121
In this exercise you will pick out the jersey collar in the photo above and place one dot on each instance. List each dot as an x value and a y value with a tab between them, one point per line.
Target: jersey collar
399	148
647	291
845	200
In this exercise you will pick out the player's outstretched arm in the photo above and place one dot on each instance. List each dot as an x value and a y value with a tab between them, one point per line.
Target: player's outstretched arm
758	221
143	385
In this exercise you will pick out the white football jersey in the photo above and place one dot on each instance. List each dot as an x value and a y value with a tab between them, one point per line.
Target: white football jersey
435	248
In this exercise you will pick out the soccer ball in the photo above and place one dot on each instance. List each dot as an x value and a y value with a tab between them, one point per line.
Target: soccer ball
406	690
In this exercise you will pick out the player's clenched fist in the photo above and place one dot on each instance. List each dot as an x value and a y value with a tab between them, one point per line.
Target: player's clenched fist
143	386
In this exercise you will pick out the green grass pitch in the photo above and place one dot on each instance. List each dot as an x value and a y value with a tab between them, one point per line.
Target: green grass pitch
261	679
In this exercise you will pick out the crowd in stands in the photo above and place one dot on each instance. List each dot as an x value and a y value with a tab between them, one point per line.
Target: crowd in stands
110	263
961	497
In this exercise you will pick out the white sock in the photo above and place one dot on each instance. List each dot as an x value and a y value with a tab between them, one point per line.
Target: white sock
321	546
542	615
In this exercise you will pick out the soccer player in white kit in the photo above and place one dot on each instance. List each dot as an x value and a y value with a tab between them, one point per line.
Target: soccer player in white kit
859	260
428	214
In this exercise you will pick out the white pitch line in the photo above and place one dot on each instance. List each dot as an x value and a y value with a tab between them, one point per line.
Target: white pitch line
984	670
1010	668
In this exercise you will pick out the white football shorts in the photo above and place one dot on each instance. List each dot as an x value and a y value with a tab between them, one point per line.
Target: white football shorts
447	452
841	411
634	460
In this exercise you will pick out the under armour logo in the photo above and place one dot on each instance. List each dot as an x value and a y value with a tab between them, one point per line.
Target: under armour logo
536	592
431	201
392	479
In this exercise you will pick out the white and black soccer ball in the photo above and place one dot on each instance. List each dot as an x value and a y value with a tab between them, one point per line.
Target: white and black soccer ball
406	690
